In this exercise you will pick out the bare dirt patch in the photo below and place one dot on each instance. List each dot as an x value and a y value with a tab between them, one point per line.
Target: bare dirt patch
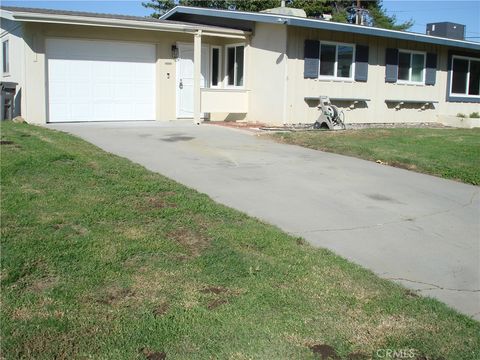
214	290
10	144
411	294
237	125
153	355
216	303
43	284
402	165
155	202
161	309
115	295
193	241
325	351
134	232
74	228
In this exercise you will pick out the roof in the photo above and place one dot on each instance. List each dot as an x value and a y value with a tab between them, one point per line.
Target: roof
203	14
101	19
17	9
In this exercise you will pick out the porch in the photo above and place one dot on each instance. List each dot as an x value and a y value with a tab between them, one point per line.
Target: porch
219	83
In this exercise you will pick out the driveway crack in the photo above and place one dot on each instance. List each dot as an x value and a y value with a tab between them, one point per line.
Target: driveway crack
433	286
409	219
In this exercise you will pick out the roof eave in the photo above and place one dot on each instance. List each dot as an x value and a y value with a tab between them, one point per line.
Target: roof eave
325	25
118	23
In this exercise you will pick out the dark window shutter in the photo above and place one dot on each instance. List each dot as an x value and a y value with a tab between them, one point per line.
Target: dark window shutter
312	59
361	63
391	65
431	69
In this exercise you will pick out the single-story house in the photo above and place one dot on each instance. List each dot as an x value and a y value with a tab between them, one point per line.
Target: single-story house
219	65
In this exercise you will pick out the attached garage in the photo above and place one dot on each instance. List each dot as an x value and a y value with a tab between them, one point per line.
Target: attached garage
91	80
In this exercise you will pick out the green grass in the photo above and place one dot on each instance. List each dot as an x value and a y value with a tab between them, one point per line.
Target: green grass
449	153
104	259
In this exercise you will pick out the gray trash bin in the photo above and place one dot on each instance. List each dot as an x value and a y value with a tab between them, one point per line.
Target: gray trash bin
7	103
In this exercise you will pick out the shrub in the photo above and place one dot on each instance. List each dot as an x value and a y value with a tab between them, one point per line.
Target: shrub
475	115
461	115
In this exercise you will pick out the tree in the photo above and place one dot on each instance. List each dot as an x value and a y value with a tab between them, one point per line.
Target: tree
380	18
341	10
159	7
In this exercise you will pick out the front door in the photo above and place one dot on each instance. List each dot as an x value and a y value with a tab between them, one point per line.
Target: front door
185	78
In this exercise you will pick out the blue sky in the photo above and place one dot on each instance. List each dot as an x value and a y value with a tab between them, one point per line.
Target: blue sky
422	12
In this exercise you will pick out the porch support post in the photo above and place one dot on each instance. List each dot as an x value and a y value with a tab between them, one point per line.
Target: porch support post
197	66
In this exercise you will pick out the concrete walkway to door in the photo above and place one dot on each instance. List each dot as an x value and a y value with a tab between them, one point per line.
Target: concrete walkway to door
415	229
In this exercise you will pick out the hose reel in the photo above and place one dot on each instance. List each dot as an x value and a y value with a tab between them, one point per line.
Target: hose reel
330	118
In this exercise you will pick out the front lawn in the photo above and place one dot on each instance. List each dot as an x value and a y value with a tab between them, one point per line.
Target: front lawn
104	259
449	153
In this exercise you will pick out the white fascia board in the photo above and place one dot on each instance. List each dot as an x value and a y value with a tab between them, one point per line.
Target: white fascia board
6	14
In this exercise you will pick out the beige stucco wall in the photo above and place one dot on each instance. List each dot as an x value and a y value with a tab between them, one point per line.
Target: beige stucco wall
13	32
35	60
375	88
266	73
274	81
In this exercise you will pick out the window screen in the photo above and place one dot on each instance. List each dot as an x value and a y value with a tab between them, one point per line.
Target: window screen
345	60
418	61
327	60
474	85
239	61
215	66
459	76
231	65
404	66
5	56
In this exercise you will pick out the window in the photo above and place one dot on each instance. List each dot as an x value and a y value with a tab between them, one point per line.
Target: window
235	65
336	60
411	67
465	76
215	67
5	57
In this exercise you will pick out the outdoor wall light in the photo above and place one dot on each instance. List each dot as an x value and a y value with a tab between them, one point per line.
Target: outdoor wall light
174	51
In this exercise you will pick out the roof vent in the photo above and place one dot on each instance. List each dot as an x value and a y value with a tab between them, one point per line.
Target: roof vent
447	30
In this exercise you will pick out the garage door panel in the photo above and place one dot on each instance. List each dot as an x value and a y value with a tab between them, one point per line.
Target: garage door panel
81	111
59	111
103	92
79	91
59	91
142	110
104	111
100	80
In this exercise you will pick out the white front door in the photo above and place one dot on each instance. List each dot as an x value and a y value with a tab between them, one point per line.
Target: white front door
185	78
92	80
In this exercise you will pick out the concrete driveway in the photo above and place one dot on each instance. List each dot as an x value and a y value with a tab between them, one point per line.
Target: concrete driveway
418	230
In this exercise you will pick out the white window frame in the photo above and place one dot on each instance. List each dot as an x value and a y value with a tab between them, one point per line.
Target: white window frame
335	69
410	81
452	94
219	85
6	64
226	85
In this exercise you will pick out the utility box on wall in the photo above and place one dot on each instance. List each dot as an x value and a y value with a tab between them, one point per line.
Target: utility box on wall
447	30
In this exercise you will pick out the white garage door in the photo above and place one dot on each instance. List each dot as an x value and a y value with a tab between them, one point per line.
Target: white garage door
100	80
